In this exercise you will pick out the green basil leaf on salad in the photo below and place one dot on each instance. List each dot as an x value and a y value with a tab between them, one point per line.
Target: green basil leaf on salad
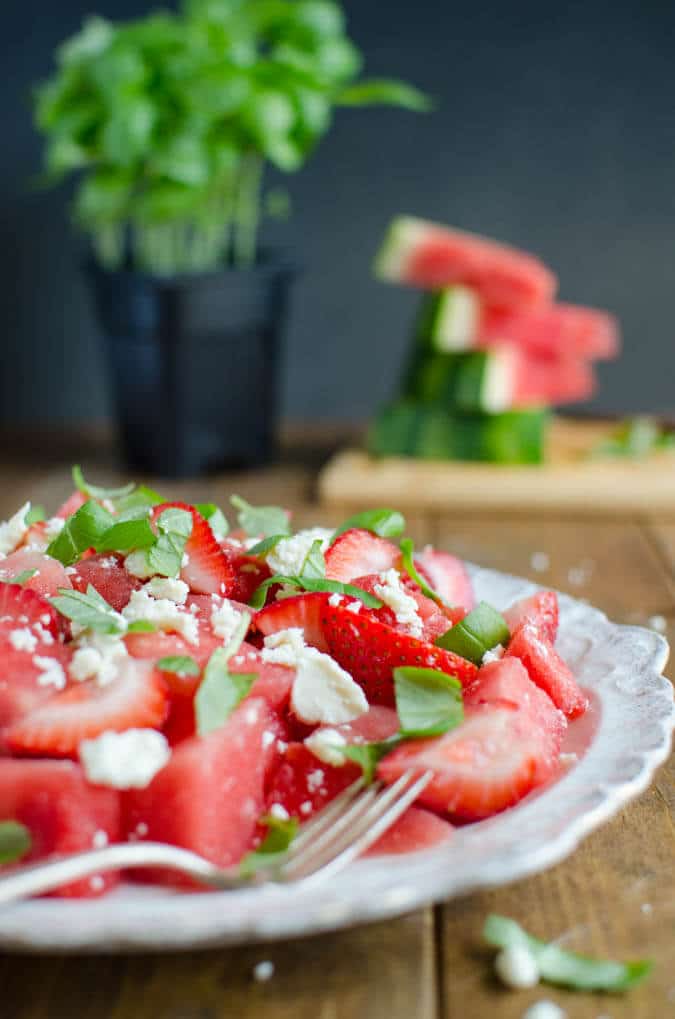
313	584
428	702
386	523
141	626
566	969
20	578
482	629
82	530
261	520
273	848
215	517
125	535
220	691
266	545
142	497
89	610
96	491
34	515
181	665
314	565
165	557
15	841
408	558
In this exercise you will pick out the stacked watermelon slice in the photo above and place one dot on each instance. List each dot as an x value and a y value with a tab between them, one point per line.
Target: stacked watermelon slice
492	350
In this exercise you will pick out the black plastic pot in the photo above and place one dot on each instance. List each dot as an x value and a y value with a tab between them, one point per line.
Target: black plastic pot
195	364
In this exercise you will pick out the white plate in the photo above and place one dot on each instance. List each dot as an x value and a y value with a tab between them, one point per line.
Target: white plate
634	716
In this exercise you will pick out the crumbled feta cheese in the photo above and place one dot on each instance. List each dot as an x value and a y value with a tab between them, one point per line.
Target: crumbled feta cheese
268	739
97	883
288	555
98	657
124	760
306	807
166	587
517	967
335	599
53	528
42	633
322	691
263	971
315	780
100	839
279	812
544	1010
493	655
185	560
164	614
136	563
402	604
324	744
224	620
13	530
355	606
107	562
51	672
23	639
540	561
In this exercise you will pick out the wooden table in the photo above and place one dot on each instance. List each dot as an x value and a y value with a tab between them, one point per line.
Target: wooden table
615	896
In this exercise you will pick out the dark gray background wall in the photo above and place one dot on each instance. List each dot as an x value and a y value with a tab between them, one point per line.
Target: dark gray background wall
555	131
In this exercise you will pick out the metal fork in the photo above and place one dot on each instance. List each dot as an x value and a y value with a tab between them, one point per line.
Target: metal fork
344	829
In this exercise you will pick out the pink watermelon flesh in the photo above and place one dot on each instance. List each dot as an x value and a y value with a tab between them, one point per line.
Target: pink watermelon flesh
576	332
49	574
550	379
415	830
106	573
210	795
433	256
63	813
547	669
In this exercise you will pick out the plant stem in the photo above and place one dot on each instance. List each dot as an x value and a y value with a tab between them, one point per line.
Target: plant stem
247	212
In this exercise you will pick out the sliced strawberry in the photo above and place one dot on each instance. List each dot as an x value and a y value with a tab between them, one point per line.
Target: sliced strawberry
71	505
207	570
49	574
302	784
357	553
106	573
304	611
136	698
20	606
250	572
541	609
448	576
370	650
500	752
415	830
63	813
547	669
434	621
27	678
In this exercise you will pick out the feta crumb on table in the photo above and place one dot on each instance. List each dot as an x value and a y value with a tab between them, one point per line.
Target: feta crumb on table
517	967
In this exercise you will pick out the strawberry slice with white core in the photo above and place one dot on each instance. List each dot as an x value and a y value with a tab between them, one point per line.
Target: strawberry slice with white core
448	576
206	568
499	753
49	574
547	669
541	609
137	698
357	553
302	611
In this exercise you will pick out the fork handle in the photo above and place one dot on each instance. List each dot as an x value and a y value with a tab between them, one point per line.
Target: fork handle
38	878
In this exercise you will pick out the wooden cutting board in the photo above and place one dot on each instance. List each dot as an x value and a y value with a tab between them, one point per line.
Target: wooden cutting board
568	481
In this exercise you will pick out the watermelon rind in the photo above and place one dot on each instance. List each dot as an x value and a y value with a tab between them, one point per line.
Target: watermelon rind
403	235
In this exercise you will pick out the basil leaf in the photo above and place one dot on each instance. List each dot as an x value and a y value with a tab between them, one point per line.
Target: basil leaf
89	610
369	755
566	969
20	578
313	584
260	520
408	558
266	545
428	702
165	557
34	515
182	665
215	517
274	847
175	521
15	841
95	491
141	497
141	626
220	691
125	535
83	530
483	628
386	523
314	564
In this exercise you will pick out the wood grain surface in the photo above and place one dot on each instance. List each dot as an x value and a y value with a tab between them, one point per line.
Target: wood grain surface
615	896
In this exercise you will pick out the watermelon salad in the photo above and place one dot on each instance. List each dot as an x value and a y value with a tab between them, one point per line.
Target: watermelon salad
166	678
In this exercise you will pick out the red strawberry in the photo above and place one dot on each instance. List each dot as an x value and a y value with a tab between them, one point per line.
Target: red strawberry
207	570
50	574
22	682
303	611
63	813
502	750
302	784
136	698
371	650
547	669
106	573
415	830
20	606
541	609
250	572
434	621
447	575
357	553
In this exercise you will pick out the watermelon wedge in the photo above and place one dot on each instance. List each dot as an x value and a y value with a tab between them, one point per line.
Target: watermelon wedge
430	256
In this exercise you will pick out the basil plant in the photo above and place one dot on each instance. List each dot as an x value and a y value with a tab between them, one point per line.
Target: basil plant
168	122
